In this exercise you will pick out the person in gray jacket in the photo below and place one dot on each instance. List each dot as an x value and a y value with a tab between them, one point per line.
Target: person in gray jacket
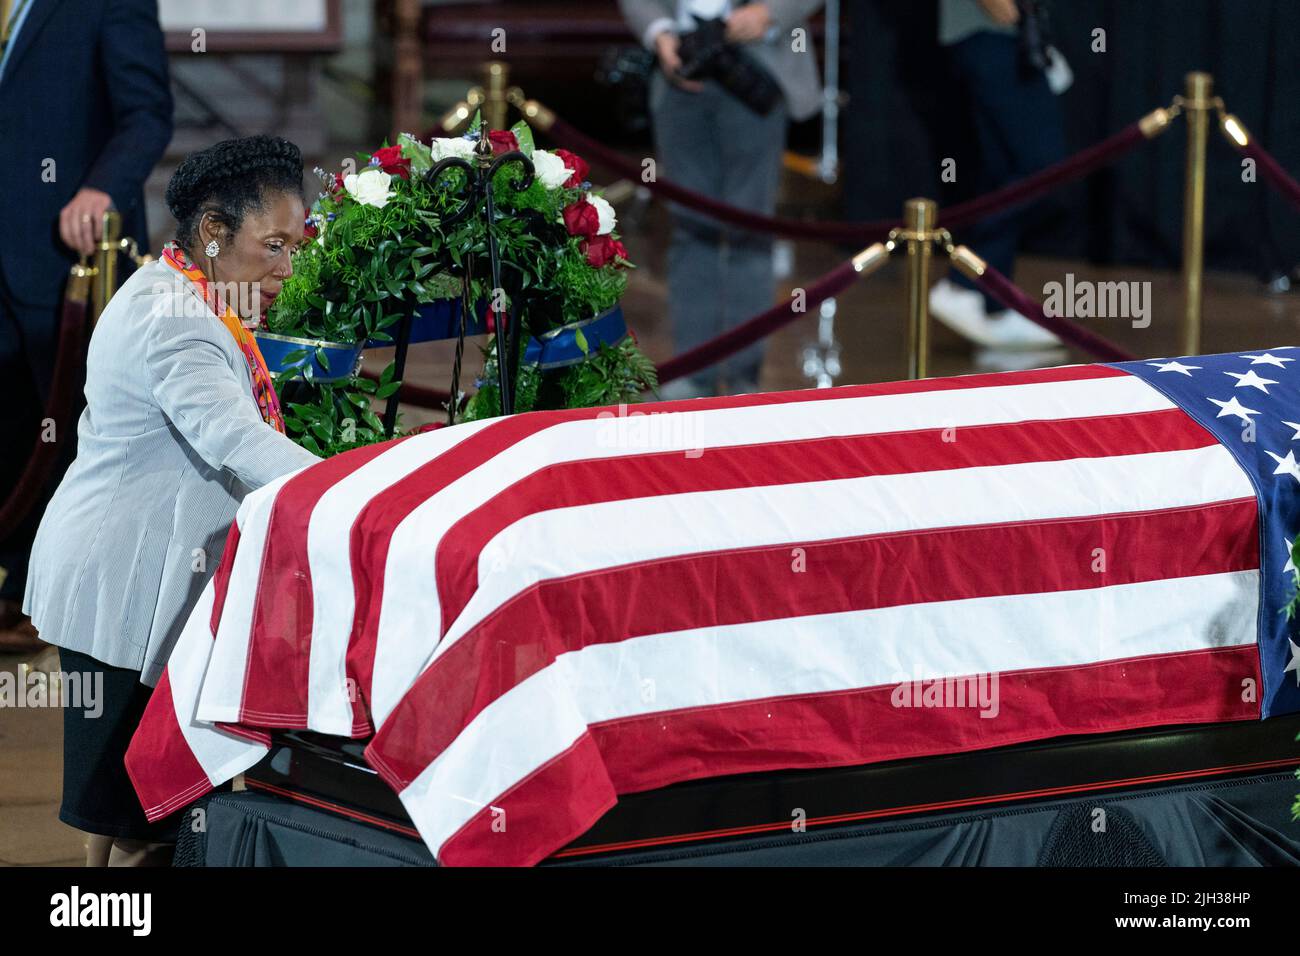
711	141
181	421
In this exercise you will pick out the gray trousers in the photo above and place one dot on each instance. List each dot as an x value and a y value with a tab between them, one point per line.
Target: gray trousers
717	276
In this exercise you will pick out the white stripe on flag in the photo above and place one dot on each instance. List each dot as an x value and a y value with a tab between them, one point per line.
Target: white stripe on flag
221	755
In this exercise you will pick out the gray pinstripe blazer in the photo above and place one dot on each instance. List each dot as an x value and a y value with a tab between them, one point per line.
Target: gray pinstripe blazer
170	442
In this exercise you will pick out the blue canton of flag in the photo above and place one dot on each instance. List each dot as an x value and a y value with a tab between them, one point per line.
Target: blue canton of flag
1250	402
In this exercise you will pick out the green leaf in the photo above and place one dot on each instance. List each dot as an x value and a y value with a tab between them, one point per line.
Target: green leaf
582	341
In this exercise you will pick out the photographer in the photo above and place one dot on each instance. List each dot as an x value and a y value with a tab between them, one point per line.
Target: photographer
1001	58
731	75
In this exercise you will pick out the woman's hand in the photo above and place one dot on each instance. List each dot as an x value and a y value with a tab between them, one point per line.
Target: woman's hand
1002	12
666	43
81	221
749	23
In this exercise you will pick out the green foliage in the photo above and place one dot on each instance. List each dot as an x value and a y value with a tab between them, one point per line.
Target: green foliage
339	415
371	265
612	374
1294	605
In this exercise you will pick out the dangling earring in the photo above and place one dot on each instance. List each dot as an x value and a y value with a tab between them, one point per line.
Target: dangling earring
211	249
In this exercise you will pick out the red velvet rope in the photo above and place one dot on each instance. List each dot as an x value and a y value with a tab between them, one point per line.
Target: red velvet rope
995	284
58	407
760	326
1274	174
1071	168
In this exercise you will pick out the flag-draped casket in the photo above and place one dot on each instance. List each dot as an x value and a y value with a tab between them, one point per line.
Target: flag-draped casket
534	614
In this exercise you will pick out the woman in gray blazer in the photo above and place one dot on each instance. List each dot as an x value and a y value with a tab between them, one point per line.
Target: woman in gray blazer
181	421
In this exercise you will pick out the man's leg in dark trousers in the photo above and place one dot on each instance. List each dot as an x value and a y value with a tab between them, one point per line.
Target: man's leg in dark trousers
28	346
1020	130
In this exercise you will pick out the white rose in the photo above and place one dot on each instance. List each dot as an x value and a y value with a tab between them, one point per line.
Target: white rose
369	187
447	146
550	169
606	213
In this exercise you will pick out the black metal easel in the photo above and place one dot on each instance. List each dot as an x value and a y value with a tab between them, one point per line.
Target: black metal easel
477	198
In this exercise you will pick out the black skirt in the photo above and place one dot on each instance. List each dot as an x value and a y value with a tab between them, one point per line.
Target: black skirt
97	793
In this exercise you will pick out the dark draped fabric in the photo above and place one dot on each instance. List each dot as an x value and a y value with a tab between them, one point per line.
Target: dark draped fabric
905	117
1242	821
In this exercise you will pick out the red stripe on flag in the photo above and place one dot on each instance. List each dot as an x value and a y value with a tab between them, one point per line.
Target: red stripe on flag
165	774
588	481
221	577
277	677
727	587
558	803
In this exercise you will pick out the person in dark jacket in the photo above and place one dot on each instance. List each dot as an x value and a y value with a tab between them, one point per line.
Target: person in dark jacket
85	114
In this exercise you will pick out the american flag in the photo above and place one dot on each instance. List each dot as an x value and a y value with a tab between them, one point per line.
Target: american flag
535	614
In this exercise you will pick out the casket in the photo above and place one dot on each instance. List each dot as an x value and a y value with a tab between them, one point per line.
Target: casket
563	635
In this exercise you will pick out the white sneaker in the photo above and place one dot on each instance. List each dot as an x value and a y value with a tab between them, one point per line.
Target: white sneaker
1010	330
962	310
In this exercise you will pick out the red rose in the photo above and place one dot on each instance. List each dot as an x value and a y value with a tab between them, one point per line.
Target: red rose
503	141
602	250
391	160
430	427
309	231
581	219
338	182
577	164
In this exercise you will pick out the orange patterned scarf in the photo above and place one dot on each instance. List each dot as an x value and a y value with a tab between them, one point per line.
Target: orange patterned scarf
268	403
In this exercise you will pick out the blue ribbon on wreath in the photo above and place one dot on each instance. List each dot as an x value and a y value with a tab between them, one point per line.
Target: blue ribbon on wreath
559	347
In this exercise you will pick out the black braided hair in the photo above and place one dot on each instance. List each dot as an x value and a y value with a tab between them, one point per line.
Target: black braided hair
230	178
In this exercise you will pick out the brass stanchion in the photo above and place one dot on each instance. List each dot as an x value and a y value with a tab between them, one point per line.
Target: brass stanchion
534	112
919	216
494	98
105	282
81	279
1197	105
495	107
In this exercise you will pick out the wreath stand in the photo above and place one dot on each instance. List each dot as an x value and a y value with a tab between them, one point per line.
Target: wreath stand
476	195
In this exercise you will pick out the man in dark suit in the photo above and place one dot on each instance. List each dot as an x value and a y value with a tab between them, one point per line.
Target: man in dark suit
85	113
